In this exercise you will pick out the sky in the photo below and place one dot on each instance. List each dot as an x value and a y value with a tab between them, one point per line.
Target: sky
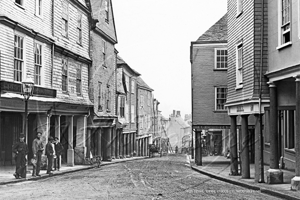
154	38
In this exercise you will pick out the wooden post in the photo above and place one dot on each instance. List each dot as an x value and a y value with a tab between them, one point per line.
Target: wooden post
245	148
233	147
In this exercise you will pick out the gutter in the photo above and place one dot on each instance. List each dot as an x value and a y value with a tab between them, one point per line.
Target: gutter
260	97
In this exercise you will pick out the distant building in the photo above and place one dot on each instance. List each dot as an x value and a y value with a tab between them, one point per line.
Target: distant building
102	81
145	116
176	129
127	106
209	88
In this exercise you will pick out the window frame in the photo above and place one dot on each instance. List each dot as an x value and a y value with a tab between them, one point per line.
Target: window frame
122	107
65	19
284	27
19	73
100	107
132	113
108	99
219	98
106	9
39	8
142	101
149	99
288	127
127	80
216	58
104	53
65	61
239	69
39	65
132	86
79	79
21	4
239	7
79	28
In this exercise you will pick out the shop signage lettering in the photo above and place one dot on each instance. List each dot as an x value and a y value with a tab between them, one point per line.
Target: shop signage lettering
240	109
16	88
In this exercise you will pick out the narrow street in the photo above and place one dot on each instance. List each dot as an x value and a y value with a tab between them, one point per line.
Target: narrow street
166	177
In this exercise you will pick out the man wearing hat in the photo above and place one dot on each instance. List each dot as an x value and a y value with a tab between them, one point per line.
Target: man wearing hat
21	150
37	150
50	154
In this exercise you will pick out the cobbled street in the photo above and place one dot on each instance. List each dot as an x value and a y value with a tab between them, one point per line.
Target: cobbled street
167	177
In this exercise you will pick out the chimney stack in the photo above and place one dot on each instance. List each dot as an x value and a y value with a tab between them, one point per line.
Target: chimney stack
174	113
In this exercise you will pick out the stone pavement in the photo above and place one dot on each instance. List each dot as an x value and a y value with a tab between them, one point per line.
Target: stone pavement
219	167
6	172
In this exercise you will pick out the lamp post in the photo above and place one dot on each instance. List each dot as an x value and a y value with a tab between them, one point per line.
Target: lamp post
26	91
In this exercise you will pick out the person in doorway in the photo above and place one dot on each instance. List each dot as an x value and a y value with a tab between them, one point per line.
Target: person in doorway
50	154
58	151
21	150
176	149
37	149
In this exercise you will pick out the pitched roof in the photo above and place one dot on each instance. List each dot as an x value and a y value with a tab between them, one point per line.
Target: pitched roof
107	30
120	61
217	32
143	84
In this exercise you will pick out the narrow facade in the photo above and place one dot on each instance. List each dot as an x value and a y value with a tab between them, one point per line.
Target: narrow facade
102	81
145	116
209	89
26	53
175	131
248	92
71	63
41	41
284	82
128	105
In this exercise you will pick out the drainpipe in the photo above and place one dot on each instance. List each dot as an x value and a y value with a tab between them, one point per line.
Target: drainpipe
260	96
52	63
52	56
192	90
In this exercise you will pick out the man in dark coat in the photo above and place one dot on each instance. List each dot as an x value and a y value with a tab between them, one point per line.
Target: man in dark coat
50	154
37	149
58	152
21	150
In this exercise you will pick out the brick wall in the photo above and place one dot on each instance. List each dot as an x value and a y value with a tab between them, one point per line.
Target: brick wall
204	81
98	12
100	73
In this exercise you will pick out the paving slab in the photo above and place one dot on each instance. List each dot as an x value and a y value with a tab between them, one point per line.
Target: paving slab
219	167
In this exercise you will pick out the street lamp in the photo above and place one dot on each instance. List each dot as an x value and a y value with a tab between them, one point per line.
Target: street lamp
26	91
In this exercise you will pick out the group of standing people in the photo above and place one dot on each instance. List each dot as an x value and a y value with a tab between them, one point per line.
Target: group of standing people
53	151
